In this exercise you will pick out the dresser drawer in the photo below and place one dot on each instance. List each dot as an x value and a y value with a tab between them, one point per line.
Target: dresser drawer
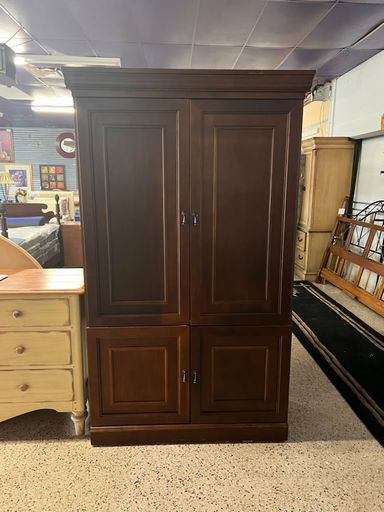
35	348
300	258
34	313
36	385
301	238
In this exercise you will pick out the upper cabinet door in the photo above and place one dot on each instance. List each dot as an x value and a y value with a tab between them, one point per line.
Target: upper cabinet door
244	170
134	164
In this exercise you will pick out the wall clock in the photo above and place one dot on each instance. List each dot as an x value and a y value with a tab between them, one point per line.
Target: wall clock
65	145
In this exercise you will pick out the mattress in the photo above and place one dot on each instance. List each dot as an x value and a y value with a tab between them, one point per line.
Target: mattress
42	242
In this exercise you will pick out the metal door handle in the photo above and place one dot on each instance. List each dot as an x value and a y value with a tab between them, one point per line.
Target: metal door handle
183	376
194	378
183	218
195	219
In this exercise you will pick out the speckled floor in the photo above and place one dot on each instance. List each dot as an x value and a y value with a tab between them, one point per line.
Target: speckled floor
330	464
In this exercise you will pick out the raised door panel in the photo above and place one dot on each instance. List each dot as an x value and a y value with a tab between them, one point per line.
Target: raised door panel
134	185
240	374
139	375
244	161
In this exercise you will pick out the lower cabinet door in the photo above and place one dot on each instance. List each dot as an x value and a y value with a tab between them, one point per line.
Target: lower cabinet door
239	374
138	375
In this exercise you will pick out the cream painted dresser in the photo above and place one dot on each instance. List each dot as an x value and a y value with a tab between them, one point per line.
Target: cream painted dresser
41	343
327	180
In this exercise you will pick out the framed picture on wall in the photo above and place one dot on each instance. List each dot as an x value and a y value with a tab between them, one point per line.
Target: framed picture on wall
6	145
22	177
52	177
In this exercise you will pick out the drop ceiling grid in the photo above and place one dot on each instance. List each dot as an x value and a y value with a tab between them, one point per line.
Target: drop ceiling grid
199	33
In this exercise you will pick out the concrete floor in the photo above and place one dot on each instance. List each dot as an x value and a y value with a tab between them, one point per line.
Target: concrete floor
331	463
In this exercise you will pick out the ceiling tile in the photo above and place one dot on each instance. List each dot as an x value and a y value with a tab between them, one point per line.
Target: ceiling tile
301	58
131	54
167	55
344	25
25	45
114	20
261	58
165	21
284	24
226	22
49	19
345	61
214	57
67	47
374	41
7	27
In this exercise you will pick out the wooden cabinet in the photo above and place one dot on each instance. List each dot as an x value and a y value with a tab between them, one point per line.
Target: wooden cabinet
327	181
239	374
188	194
133	198
41	343
73	248
140	375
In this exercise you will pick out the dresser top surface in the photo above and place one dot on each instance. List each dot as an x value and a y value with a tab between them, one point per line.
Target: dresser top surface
44	281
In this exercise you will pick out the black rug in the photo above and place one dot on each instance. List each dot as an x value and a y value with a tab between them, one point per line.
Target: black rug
349	352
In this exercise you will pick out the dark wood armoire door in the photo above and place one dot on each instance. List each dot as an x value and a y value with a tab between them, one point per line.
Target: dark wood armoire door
135	187
139	375
243	198
239	374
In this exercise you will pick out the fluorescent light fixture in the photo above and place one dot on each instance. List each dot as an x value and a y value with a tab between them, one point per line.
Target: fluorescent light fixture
53	105
19	60
52	109
66	60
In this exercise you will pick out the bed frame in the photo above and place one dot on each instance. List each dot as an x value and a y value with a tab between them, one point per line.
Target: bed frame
33	210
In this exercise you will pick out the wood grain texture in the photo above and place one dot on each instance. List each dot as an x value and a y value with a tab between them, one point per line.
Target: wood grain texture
174	83
192	433
221	147
136	250
35	348
136	375
242	373
44	281
20	312
72	242
41	385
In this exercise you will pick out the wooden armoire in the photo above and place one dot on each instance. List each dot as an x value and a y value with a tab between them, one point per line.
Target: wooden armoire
188	184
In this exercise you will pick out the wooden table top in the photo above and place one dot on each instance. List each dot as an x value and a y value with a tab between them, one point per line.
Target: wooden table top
44	281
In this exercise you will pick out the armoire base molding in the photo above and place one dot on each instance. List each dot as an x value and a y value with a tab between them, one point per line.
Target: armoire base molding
197	433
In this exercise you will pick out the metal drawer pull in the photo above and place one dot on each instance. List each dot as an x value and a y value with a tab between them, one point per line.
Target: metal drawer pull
300	239
194	379
183	216
20	349
195	219
301	257
16	313
183	376
23	387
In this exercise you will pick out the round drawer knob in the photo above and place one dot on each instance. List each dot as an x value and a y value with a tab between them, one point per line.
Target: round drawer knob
16	313
23	387
20	349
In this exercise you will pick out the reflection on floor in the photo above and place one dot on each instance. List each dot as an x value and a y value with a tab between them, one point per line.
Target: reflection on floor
330	463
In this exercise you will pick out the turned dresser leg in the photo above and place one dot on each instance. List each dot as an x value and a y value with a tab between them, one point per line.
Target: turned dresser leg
78	419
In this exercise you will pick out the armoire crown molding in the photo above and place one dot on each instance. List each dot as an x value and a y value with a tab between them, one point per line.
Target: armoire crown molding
188	83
